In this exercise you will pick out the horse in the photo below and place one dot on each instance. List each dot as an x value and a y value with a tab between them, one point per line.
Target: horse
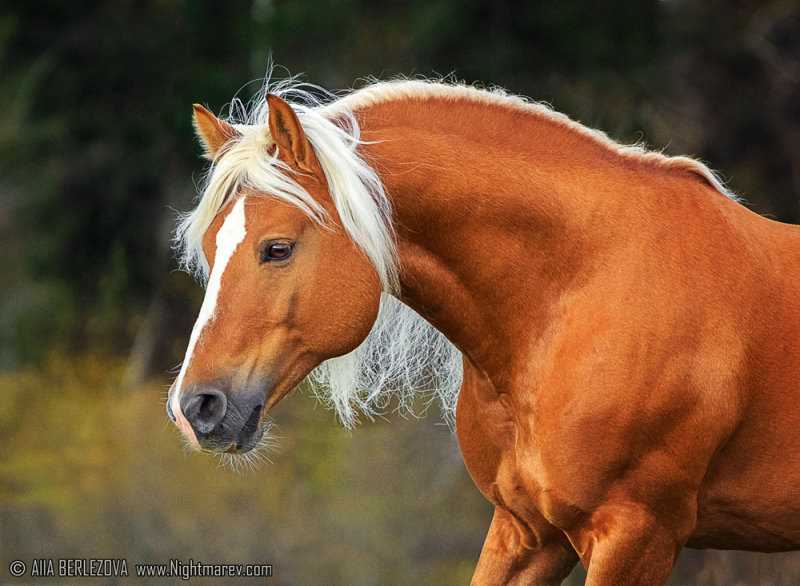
616	336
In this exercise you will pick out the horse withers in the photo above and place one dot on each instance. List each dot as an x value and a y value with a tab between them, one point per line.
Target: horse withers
624	334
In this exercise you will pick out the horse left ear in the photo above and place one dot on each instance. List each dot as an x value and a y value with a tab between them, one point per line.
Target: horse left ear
212	132
288	134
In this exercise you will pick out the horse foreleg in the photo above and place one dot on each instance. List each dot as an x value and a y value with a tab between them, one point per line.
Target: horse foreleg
518	553
628	545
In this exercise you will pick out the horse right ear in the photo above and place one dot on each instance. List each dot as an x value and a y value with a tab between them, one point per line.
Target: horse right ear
212	132
288	134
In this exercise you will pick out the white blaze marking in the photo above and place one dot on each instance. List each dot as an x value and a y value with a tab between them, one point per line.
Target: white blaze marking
229	237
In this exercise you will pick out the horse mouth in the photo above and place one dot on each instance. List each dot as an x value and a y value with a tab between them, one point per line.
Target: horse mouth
250	453
238	448
250	435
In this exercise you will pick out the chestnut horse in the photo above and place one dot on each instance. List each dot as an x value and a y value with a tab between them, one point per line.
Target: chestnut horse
628	334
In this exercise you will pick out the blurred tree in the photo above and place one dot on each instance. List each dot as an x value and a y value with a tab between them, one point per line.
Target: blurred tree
95	144
735	71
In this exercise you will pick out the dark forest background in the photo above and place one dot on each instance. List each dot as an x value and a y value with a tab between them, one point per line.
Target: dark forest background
97	153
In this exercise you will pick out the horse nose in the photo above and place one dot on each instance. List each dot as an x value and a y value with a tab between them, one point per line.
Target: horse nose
204	409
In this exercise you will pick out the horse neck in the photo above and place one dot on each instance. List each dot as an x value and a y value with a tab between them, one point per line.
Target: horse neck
498	215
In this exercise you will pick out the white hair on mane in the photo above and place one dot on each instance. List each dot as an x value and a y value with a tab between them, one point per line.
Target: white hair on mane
403	354
245	162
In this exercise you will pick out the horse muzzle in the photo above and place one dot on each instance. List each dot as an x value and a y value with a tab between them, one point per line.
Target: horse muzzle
220	419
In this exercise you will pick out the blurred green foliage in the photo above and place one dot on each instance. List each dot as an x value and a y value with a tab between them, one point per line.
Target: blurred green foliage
96	152
87	471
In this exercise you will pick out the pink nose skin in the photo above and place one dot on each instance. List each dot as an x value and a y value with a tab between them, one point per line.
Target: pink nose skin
181	422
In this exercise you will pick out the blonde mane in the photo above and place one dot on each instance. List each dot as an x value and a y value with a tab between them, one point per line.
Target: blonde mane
403	354
378	92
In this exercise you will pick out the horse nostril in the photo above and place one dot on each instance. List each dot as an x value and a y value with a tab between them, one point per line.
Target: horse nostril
170	414
204	410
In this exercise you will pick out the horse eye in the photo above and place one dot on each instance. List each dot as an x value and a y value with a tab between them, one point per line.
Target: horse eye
273	251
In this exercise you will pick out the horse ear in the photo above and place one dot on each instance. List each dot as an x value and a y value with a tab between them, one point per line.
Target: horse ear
288	134
212	132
